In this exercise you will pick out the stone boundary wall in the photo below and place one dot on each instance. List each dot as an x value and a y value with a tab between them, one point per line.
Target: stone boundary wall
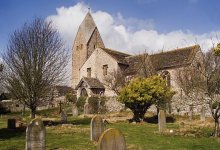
113	105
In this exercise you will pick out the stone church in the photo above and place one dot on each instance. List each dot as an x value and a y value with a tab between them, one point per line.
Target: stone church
92	62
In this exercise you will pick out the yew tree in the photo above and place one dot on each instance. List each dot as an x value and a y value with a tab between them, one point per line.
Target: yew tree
217	50
141	93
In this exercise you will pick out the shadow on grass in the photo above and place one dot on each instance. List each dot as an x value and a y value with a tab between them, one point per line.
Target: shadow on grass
81	121
6	134
75	121
154	119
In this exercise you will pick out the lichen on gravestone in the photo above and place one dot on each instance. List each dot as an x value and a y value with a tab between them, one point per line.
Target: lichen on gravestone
111	139
35	135
63	116
75	111
162	120
86	108
96	128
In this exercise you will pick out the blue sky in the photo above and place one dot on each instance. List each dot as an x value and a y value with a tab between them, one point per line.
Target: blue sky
198	20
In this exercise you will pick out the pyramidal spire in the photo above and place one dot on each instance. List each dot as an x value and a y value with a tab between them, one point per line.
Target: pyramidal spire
87	26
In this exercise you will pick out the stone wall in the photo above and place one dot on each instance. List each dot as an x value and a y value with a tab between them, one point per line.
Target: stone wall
12	105
96	62
113	105
181	105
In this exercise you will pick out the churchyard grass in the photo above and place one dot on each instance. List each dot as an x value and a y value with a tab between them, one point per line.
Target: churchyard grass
138	136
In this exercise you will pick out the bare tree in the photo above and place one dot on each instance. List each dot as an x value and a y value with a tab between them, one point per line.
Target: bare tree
212	84
2	70
115	80
35	61
142	67
192	82
205	83
145	68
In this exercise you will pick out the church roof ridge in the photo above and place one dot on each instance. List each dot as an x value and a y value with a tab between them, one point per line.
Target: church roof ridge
178	49
174	58
138	55
117	55
92	83
115	51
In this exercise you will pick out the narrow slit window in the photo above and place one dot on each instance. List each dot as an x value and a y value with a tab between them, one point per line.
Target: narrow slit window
89	70
105	70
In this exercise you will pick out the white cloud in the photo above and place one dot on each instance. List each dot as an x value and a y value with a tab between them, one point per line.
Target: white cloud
133	24
121	33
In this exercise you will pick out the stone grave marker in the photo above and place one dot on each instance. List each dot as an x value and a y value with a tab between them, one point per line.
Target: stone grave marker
19	123
202	116
86	108
75	111
162	120
35	135
96	128
190	112
11	123
63	117
111	139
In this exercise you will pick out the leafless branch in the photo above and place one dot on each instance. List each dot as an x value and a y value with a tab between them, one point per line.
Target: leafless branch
35	61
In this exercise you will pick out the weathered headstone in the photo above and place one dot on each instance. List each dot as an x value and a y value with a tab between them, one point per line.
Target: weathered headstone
19	123
11	123
86	108
111	139
190	112
162	120
96	128
202	116
35	135
60	106
75	111
63	117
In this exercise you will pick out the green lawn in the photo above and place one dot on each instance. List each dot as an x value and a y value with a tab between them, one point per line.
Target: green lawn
138	137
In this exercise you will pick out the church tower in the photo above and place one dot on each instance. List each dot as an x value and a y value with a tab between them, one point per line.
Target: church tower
86	41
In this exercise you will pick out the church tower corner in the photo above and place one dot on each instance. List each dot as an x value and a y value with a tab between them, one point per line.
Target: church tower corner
86	41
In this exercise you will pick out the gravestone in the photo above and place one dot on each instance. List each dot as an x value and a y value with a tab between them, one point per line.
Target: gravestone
86	108
162	120
63	117
35	135
19	123
11	123
190	112
111	139
96	128
75	110
202	117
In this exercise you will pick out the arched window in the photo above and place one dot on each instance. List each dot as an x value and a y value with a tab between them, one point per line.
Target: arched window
84	93
166	76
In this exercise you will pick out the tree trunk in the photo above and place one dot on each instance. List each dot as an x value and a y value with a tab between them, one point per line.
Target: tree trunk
158	110
138	115
23	111
216	129
33	113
